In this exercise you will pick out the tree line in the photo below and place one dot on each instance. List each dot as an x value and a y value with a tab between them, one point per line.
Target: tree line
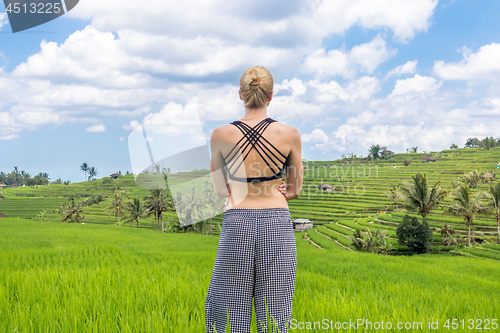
92	171
419	197
189	206
377	151
21	177
486	143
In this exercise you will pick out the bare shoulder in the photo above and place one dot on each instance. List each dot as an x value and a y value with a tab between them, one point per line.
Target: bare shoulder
221	133
289	131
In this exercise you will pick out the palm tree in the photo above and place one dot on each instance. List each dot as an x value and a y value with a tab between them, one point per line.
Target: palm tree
159	201
16	174
412	149
157	169
152	203
394	195
84	167
187	205
166	205
137	211
419	197
375	150
494	204
472	178
358	243
212	201
488	143
72	212
464	205
92	172
44	175
116	207
472	143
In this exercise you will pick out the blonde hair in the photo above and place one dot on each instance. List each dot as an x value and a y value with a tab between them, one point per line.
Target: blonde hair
256	85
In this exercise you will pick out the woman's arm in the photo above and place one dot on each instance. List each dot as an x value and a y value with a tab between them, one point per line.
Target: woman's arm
294	170
217	170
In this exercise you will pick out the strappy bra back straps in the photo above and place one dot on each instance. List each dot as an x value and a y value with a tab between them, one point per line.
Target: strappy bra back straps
254	140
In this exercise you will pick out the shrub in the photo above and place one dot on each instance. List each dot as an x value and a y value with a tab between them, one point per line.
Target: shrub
376	242
447	229
415	235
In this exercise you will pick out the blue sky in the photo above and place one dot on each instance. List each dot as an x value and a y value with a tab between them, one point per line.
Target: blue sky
348	74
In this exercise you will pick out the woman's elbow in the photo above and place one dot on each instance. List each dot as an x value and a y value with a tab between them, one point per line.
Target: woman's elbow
222	194
294	195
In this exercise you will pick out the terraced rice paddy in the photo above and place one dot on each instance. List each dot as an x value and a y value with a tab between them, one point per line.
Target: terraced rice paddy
59	277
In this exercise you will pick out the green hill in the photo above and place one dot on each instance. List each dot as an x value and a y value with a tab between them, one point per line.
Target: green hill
58	277
360	191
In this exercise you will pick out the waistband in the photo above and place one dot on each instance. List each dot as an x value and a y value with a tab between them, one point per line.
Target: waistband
257	210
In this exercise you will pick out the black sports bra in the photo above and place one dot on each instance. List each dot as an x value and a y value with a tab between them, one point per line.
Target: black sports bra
251	139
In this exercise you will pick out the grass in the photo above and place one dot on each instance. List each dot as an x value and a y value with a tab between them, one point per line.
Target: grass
57	277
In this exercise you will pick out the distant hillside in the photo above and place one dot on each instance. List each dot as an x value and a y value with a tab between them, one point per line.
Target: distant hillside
360	188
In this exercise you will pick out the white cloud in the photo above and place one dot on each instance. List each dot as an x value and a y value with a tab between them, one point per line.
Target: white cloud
33	116
484	65
293	22
416	84
174	119
216	104
87	55
25	117
8	137
94	56
419	114
172	57
8	127
317	135
132	125
126	113
409	68
3	20
121	138
405	18
315	101
362	88
361	58
96	128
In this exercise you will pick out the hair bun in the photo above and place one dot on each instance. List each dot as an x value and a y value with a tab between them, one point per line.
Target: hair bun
256	80
256	85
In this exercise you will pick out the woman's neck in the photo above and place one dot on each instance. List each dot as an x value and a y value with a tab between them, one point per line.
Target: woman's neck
255	113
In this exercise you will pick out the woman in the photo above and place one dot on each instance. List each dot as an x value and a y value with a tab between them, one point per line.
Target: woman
256	258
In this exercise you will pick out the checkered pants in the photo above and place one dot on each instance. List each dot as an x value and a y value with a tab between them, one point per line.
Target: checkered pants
256	259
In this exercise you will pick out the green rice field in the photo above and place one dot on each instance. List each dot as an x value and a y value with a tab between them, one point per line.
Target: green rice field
98	277
58	277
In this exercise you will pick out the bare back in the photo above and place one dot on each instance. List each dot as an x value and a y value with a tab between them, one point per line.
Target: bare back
264	149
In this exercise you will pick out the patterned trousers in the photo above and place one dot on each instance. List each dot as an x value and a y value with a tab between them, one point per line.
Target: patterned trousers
256	259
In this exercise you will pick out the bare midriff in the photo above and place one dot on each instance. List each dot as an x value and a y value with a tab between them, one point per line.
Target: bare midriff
264	194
